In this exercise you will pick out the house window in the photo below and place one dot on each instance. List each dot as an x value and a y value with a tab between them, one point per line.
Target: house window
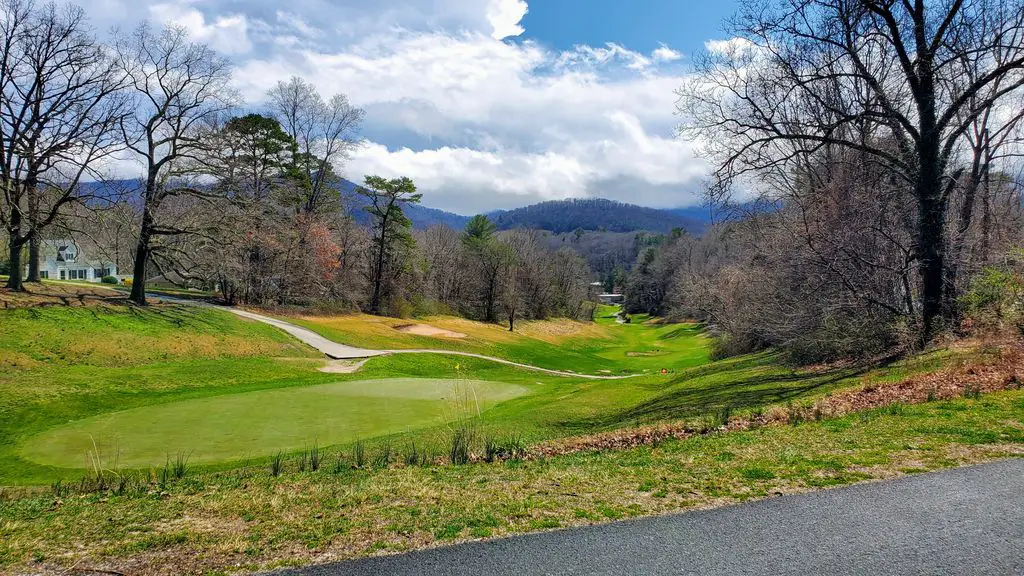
62	274
43	274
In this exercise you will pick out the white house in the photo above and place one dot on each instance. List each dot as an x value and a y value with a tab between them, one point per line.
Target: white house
63	260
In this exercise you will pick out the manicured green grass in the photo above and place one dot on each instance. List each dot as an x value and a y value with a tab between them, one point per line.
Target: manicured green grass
228	426
245	519
150	383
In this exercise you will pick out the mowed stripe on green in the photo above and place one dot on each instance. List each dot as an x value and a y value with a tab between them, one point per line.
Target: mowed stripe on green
255	424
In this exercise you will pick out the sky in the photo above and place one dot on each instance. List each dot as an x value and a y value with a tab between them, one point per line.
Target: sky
485	104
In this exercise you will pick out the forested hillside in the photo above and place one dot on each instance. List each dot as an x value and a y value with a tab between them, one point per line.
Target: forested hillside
593	214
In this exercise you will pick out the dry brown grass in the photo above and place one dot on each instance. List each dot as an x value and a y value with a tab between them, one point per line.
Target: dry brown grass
49	294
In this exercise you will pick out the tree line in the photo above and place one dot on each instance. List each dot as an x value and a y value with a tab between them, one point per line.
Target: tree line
881	141
244	203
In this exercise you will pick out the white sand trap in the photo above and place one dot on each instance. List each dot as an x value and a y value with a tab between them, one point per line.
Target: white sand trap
342	366
427	330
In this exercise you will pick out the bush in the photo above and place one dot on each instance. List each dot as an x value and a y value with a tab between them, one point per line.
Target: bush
127	282
5	267
109	280
994	295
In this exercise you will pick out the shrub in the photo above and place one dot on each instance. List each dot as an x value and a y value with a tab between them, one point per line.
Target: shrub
127	282
994	295
109	280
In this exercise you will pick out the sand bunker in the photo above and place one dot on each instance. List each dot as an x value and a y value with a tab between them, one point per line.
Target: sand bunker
342	366
427	330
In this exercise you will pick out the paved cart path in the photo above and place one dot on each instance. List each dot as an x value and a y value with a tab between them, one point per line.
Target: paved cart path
962	521
340	351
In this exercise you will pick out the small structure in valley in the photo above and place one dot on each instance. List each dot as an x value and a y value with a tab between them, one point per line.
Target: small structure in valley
610	298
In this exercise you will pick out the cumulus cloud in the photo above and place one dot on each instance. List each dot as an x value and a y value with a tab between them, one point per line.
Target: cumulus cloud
228	34
505	16
477	116
665	54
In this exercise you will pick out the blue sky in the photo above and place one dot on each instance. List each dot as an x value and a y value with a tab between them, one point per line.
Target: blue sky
638	24
485	104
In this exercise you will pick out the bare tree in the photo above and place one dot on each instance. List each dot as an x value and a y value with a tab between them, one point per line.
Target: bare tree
324	132
181	88
59	115
882	78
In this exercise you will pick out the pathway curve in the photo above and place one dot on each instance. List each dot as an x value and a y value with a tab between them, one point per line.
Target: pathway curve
339	351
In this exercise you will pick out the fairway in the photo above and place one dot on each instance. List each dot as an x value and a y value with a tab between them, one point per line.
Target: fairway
255	424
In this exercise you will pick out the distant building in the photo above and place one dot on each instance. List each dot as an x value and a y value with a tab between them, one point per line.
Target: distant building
610	298
63	260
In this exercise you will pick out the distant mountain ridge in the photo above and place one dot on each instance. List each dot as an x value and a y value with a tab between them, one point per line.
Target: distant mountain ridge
560	216
557	216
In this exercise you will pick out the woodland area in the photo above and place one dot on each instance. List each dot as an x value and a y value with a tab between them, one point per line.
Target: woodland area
866	192
246	204
880	142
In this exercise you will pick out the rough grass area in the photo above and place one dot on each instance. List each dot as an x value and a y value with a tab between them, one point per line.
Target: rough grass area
246	519
597	347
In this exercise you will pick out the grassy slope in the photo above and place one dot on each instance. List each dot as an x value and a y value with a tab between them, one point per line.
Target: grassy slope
65	364
585	347
245	519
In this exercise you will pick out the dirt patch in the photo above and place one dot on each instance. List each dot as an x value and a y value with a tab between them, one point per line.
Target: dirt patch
342	366
645	354
428	330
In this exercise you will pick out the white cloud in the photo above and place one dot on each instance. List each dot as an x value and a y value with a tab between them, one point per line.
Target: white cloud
731	48
665	54
477	119
505	16
228	34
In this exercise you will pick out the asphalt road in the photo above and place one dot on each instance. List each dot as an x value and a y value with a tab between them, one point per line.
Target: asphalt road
963	521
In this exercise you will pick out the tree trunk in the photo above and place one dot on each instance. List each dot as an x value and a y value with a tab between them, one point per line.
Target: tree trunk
16	243
142	251
931	241
33	259
378	274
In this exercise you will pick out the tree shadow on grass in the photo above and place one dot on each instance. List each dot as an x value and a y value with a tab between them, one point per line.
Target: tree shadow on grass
741	391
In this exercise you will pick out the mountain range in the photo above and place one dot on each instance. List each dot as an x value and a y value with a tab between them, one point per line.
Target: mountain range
558	216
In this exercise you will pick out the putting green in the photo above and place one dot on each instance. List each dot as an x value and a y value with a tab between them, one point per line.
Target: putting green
260	423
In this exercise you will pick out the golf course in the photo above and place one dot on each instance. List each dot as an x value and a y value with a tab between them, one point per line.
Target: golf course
189	436
118	388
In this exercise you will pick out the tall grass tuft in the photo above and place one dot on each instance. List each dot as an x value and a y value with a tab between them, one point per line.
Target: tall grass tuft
303	458
314	457
277	464
462	439
412	455
339	464
383	457
179	467
359	454
723	414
